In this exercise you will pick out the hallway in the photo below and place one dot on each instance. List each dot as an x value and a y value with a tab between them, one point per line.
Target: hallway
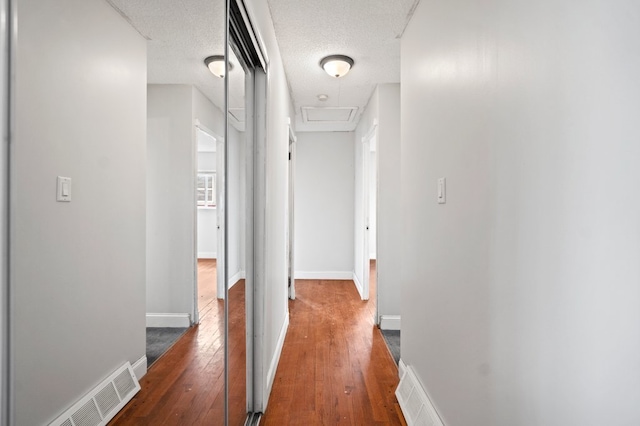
335	367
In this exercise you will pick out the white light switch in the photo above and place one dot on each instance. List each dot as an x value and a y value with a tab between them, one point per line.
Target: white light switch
442	191
63	192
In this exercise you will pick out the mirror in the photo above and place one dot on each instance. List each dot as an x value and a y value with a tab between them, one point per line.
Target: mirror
237	408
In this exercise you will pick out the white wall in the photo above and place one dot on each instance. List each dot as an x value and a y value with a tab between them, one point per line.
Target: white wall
78	268
324	185
279	109
173	111
170	200
520	294
384	106
212	118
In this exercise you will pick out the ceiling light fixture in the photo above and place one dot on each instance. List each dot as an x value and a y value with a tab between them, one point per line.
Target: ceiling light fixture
215	64
336	65
323	97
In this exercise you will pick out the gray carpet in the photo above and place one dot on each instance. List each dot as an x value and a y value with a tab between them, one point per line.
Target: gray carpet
392	337
159	340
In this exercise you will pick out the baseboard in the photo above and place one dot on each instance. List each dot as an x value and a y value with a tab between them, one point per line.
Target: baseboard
140	367
273	366
358	284
390	322
240	275
168	320
402	367
207	255
323	275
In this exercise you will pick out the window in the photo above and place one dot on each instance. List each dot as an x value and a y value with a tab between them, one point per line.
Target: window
206	189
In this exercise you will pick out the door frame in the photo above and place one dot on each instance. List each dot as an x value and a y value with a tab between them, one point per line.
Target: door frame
8	27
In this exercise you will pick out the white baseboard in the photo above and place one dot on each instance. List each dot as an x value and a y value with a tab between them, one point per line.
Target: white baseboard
402	367
140	367
323	275
168	320
358	284
240	275
390	322
273	366
207	255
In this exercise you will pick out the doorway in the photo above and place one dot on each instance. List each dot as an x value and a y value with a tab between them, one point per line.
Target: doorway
366	253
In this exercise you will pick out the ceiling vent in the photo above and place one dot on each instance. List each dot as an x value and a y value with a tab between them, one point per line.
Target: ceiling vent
321	115
105	400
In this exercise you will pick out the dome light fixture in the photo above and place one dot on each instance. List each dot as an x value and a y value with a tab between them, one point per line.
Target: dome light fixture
215	64
336	65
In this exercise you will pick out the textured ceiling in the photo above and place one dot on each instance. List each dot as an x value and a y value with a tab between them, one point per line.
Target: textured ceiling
181	34
366	30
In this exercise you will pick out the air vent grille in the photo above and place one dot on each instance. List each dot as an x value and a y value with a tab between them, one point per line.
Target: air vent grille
87	415
101	404
107	399
415	403
125	383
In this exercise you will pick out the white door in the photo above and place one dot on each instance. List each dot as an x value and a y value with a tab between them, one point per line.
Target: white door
366	175
220	209
290	220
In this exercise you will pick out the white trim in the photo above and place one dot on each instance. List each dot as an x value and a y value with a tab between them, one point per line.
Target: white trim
389	322
273	366
207	255
371	131
324	275
240	275
207	130
358	284
168	320
140	367
402	368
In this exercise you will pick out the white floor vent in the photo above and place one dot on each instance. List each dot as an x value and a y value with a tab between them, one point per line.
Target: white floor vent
416	406
105	400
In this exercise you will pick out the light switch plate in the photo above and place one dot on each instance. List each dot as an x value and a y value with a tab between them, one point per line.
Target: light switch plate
442	191
63	191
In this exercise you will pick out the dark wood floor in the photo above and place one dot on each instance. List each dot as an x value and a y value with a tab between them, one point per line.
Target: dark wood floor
335	367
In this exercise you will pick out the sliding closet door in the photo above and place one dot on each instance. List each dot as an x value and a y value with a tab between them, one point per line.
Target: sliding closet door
235	244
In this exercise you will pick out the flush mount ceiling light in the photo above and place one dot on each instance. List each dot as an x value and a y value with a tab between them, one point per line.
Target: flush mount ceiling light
215	64
336	65
323	97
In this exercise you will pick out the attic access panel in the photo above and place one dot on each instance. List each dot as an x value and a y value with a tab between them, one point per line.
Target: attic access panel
328	114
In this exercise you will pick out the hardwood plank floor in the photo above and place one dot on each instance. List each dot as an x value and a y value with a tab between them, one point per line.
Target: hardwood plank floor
335	367
186	385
